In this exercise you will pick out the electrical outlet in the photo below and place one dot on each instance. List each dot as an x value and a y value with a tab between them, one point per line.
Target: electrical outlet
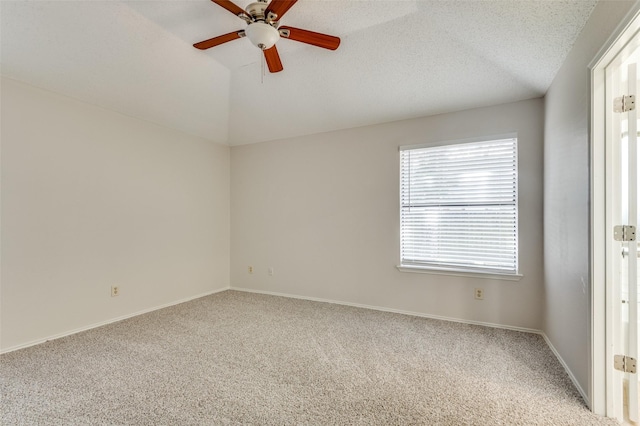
250	269
479	294
115	291
270	271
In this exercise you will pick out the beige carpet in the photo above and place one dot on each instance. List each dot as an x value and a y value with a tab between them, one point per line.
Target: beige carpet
241	358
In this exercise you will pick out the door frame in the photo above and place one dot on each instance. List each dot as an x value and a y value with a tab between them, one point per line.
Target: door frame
601	384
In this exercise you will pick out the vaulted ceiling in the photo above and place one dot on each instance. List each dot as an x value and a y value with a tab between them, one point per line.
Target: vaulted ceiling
397	60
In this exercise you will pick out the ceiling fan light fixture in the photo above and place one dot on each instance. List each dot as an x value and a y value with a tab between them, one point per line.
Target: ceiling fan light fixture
262	35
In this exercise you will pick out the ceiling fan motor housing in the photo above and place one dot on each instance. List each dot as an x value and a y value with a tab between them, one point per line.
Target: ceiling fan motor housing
256	10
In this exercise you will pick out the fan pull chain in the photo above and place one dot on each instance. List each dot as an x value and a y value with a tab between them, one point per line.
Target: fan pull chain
263	62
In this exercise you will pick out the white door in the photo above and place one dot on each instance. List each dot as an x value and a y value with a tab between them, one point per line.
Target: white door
622	220
614	198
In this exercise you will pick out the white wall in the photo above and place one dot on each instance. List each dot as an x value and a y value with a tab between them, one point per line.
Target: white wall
92	198
323	211
567	312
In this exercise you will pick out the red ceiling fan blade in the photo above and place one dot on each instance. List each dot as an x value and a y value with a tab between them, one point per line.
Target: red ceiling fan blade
216	41
273	59
279	7
231	7
310	37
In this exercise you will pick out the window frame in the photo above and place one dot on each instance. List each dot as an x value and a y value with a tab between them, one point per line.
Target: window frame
461	271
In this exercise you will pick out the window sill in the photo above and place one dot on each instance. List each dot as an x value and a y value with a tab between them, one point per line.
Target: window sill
459	273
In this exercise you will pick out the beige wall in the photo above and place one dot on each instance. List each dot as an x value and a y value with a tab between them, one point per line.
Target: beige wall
323	211
91	198
567	302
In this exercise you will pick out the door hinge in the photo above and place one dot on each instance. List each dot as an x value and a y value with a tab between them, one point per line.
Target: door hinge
624	363
624	233
624	103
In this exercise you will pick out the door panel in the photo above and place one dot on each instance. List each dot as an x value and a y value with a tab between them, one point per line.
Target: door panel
622	200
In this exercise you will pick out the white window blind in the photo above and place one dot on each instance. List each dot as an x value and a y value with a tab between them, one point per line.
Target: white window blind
459	206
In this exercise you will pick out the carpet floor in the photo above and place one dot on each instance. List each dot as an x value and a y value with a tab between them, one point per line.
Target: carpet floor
240	358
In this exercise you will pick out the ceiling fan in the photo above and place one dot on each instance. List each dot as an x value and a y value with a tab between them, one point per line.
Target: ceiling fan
263	30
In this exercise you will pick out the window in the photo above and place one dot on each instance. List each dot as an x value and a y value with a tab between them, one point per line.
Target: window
459	207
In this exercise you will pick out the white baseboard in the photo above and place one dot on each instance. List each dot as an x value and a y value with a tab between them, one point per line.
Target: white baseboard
566	368
384	309
109	321
438	317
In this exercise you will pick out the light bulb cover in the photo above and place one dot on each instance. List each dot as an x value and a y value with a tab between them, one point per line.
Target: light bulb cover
262	35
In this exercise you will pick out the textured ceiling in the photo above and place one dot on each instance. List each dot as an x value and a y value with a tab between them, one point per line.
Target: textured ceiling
397	60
